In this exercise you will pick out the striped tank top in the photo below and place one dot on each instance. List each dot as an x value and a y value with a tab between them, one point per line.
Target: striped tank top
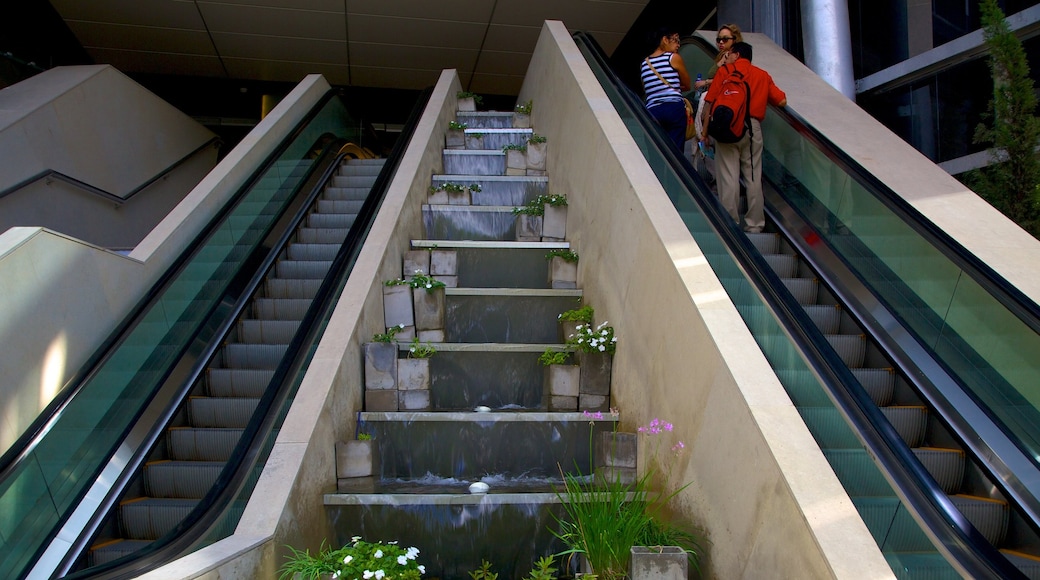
656	91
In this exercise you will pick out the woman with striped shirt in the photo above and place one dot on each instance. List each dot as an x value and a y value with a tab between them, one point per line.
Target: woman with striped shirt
664	80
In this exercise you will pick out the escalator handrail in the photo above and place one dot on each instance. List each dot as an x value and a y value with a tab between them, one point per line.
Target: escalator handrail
279	391
953	534
26	442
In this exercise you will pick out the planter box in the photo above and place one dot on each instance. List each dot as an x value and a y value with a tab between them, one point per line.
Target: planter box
439	197
413	400
397	306
595	373
568	328
554	223
475	141
516	162
381	401
562	274
536	157
528	228
459	197
521	121
561	380
444	263
658	563
587	402
380	366
455	139
413	374
357	459
415	260
467	104
429	309
431	335
617	450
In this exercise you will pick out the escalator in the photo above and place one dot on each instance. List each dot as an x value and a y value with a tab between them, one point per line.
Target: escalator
153	451
924	411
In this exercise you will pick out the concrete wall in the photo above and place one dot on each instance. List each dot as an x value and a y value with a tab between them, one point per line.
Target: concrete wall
287	506
759	486
95	125
62	297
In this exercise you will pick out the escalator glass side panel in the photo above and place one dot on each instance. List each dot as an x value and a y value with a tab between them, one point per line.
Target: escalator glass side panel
824	420
980	339
41	490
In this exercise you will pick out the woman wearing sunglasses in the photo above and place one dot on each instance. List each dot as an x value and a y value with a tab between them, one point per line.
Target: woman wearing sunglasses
728	34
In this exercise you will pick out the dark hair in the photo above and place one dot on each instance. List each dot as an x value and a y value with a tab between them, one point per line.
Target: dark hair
660	32
743	49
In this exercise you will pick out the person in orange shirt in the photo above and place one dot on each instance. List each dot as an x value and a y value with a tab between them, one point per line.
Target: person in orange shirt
745	156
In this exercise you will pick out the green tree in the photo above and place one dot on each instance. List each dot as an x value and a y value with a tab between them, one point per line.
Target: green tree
1012	182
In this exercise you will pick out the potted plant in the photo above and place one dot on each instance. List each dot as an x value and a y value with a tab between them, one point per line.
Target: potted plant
474	141
358	560
522	115
456	136
428	302
561	380
468	101
554	221
594	349
536	154
516	159
563	267
413	377
570	319
381	370
357	464
449	193
529	221
397	307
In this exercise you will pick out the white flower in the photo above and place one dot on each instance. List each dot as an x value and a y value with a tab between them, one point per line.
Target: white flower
348	559
412	553
428	285
401	326
593	342
355	539
422	569
402	560
418	271
602	348
613	339
603	333
368	574
378	554
380	574
336	574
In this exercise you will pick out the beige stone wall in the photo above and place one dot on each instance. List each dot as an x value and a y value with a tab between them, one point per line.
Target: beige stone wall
62	297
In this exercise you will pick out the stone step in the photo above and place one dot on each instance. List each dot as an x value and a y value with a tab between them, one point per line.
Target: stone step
498	264
485	119
504	190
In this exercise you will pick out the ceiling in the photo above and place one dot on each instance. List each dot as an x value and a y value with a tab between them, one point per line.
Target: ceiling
402	44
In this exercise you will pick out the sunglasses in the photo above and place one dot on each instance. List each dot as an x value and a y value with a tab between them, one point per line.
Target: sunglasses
721	39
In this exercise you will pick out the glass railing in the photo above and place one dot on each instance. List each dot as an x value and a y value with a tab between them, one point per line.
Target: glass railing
803	362
40	489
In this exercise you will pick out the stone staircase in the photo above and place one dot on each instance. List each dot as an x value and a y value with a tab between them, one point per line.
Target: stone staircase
487	416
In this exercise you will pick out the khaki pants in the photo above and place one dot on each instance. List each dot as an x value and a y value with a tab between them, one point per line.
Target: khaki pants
736	160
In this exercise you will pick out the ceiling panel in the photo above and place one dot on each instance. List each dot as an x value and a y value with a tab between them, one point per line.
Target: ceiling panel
457	10
503	63
576	14
397	78
323	5
274	21
495	84
284	71
120	36
512	38
154	63
160	13
280	48
422	57
413	32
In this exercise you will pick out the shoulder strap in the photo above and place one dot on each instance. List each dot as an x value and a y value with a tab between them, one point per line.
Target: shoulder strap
657	73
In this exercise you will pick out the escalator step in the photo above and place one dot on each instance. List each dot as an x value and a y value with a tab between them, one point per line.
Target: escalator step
193	444
151	518
238	382
220	411
785	265
302	269
182	479
1029	564
804	289
313	252
280	308
346	193
829	428
945	465
352	181
825	317
330	220
289	288
892	525
322	235
989	516
340	206
879	383
852	348
909	421
267	331
253	356
110	550
765	242
858	473
359	169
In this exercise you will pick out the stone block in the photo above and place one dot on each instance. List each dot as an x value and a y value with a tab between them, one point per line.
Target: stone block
561	380
467	104
617	450
554	222
449	281
356	485
406	334
444	263
431	335
536	156
512	171
415	260
357	459
380	365
397	306
455	139
562	274
587	402
595	373
475	142
439	197
658	563
429	308
616	476
459	197
413	374
521	121
568	328
414	400
534	173
528	228
516	160
563	403
381	401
